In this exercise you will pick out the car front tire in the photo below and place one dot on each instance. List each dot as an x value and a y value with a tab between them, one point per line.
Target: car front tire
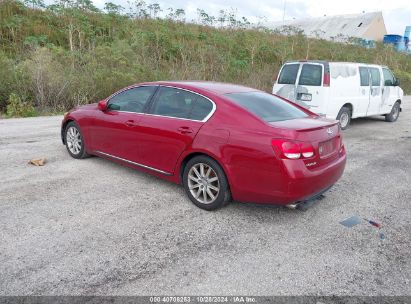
394	114
206	183
74	141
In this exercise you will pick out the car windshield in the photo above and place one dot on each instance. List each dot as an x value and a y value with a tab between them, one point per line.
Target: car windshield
266	106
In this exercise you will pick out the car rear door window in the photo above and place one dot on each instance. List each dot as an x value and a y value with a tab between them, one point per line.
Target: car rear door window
131	100
364	77
311	75
201	109
375	77
173	102
266	106
288	74
388	77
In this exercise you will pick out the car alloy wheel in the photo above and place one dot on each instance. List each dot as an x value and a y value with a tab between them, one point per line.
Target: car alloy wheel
203	183
73	140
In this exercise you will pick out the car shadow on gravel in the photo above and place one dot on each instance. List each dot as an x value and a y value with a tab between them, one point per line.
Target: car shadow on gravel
248	208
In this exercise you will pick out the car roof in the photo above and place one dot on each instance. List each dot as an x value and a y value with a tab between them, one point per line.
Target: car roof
209	86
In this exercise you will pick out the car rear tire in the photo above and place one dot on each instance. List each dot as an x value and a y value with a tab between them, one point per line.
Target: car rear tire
206	183
74	141
394	114
344	117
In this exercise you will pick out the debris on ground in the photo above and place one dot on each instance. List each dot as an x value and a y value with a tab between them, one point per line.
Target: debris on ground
351	221
37	162
355	220
375	224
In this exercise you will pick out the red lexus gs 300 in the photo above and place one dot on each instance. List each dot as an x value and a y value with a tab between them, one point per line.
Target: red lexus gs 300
221	141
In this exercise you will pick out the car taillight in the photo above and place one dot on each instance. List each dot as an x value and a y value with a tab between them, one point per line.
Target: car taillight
307	150
293	149
326	79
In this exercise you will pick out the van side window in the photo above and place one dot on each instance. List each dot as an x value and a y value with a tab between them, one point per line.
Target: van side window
388	77
364	76
311	75
289	74
375	77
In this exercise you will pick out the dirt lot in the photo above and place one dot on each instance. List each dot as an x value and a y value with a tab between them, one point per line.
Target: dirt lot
94	227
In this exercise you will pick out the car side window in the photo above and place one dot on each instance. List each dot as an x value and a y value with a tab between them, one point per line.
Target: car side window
288	74
201	108
375	77
311	75
364	77
389	79
131	100
173	102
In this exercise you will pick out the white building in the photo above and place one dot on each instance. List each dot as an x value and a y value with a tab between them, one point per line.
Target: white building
367	26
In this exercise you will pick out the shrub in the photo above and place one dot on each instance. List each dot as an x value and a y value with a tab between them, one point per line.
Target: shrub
18	108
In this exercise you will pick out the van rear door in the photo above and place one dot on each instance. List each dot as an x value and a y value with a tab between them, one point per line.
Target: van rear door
310	91
285	85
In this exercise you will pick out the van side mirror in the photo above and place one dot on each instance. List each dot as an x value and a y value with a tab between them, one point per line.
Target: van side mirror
396	82
102	105
388	83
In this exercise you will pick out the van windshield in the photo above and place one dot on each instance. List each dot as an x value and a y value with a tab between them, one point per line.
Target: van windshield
266	106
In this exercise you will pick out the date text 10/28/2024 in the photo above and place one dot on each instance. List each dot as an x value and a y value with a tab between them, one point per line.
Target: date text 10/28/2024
202	299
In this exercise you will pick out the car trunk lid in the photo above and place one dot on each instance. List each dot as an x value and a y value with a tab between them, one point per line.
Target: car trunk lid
323	134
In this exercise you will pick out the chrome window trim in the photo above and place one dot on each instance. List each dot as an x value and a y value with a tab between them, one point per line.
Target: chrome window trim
134	163
157	115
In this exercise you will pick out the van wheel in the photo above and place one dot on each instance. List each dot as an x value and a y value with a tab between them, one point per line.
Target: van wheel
395	113
344	117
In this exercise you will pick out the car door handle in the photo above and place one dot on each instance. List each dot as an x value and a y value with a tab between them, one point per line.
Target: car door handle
130	123
185	130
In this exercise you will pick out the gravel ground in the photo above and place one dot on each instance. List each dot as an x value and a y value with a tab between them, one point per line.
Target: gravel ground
92	227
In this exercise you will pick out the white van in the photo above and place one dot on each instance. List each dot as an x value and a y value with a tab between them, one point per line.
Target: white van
341	90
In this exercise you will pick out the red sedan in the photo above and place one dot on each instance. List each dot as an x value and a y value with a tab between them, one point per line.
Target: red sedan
221	141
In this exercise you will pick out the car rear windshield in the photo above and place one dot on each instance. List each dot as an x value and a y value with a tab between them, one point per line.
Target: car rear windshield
266	106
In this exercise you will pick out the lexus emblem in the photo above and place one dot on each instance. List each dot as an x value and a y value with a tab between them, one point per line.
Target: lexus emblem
330	131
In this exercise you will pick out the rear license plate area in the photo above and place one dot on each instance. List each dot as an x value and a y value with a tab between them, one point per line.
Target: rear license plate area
328	148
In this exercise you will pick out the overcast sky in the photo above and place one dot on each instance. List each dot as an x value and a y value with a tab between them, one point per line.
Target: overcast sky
397	13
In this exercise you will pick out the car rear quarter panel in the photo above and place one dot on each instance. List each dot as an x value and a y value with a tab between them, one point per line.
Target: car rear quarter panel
241	144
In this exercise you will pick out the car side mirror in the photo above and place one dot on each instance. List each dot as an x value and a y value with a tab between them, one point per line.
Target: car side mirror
102	105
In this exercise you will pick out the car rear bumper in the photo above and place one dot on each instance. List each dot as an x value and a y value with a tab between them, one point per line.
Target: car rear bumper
299	183
315	181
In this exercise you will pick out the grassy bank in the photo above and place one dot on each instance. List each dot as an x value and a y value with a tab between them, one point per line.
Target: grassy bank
52	58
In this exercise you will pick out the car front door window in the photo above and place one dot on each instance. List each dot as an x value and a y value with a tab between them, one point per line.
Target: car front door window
131	100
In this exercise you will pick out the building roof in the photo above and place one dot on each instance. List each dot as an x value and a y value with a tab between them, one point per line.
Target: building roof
366	25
